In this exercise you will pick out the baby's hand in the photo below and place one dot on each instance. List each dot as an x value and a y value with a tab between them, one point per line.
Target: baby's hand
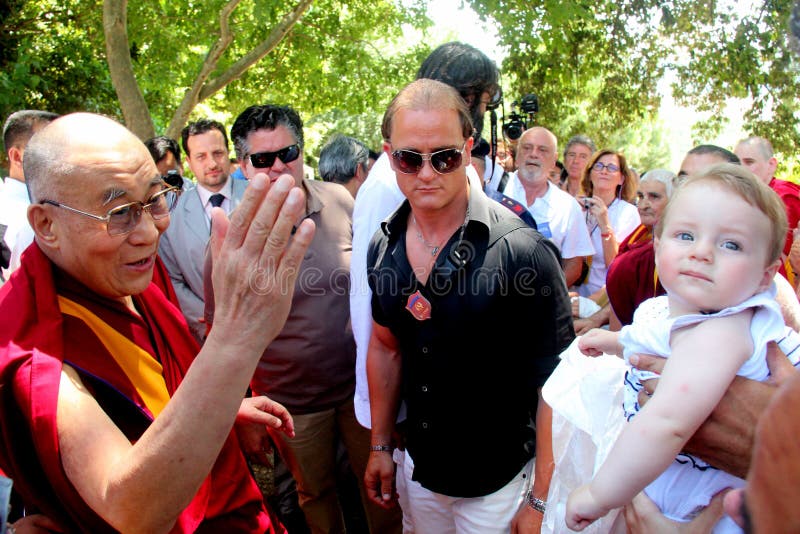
594	342
582	509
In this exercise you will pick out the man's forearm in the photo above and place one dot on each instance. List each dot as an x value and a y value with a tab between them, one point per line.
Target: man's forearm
725	440
384	371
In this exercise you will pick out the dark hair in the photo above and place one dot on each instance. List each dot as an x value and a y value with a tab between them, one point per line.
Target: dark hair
374	155
159	147
723	153
481	149
20	125
468	70
264	117
200	127
341	157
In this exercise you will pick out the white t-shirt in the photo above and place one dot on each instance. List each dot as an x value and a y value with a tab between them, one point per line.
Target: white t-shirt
558	217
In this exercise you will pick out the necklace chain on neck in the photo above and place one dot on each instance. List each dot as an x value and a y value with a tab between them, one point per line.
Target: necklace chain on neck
435	249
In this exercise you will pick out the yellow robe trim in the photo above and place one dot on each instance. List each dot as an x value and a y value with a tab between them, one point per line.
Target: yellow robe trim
144	371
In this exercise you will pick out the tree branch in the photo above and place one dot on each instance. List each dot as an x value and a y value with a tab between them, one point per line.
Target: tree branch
118	54
262	49
192	96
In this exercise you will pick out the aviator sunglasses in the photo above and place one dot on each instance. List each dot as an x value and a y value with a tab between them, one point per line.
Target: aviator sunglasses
263	160
442	161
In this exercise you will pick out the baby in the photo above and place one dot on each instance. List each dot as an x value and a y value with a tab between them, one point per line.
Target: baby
717	248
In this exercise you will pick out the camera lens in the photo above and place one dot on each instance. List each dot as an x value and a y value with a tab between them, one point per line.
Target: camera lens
513	130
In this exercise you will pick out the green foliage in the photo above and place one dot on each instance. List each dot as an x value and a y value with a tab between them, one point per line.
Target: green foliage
52	56
590	67
595	65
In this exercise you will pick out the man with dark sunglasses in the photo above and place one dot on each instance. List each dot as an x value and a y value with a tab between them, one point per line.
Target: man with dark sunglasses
454	278
120	422
183	245
310	366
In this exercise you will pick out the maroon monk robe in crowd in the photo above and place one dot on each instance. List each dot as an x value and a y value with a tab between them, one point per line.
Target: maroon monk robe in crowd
36	337
631	277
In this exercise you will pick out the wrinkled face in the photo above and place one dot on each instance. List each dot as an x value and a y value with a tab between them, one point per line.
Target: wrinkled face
208	159
112	266
426	131
754	159
651	199
606	179
264	140
576	158
712	252
536	156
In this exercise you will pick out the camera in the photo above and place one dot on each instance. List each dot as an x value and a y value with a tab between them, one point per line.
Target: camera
587	204
174	179
516	125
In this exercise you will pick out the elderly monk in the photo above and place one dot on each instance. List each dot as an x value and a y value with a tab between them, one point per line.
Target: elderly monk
111	419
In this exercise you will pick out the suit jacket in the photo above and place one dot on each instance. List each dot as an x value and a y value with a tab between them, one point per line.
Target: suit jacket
182	248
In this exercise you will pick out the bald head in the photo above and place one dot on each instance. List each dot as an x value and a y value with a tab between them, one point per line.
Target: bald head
757	155
86	165
537	151
79	143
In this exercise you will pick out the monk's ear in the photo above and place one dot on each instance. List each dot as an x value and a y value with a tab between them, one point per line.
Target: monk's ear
44	225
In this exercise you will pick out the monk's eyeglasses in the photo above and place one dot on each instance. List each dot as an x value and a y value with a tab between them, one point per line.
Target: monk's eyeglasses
123	219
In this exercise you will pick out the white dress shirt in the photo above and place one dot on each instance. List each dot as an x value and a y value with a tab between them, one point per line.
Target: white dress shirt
205	199
558	217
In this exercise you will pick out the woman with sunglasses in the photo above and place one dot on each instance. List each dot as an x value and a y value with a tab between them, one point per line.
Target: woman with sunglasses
608	188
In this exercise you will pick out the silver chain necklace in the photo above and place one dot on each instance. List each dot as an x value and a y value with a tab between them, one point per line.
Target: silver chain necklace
436	248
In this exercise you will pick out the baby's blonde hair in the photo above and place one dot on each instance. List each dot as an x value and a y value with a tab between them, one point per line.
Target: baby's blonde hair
741	181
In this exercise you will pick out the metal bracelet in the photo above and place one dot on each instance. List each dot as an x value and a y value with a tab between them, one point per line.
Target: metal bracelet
381	448
537	504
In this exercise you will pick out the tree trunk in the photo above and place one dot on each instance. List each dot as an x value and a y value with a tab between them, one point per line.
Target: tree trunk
131	101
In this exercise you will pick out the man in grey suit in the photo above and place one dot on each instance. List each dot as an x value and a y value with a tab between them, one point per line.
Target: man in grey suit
183	245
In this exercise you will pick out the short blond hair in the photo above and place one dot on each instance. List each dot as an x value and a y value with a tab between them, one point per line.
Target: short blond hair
741	181
425	94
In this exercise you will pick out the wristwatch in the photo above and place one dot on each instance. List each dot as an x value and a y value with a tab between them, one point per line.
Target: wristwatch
537	504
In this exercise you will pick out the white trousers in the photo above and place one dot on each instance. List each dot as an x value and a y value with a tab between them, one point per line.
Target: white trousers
425	511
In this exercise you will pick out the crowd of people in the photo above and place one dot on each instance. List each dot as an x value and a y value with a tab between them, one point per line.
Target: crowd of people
163	339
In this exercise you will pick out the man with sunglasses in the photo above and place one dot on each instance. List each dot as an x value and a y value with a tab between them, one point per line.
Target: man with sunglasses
452	273
310	366
184	243
119	424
